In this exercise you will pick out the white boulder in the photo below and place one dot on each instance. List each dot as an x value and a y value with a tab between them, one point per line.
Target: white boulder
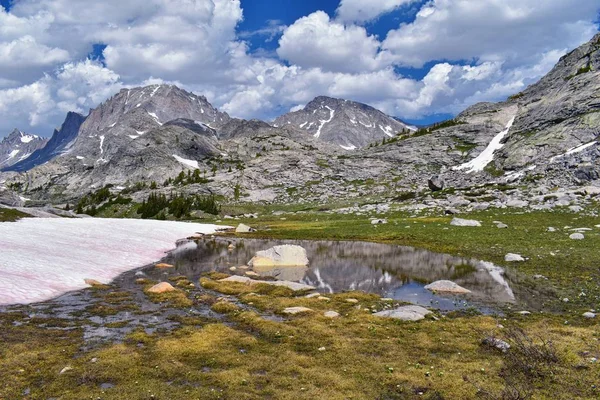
464	222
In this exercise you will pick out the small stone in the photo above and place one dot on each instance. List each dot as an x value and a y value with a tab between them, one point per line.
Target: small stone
464	222
352	301
331	314
379	221
162	287
93	282
502	226
511	257
65	369
577	236
323	298
252	274
565	300
164	266
496	343
524	313
551	229
311	295
589	315
296	310
405	313
233	269
322	349
242	228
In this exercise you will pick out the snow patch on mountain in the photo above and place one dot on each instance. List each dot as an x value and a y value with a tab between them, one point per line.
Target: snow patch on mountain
487	156
326	121
189	163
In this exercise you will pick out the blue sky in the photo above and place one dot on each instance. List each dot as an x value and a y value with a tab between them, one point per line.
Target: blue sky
419	60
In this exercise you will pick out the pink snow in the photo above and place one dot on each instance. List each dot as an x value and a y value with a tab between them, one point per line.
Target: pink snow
42	258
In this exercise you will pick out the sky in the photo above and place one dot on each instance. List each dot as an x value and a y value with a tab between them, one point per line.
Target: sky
419	60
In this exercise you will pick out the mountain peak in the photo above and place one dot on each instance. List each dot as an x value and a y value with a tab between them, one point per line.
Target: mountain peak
346	123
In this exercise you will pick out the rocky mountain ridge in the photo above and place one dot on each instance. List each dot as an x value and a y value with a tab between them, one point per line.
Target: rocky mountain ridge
18	146
349	124
545	136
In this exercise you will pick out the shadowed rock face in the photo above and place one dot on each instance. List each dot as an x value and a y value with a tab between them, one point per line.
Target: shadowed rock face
18	146
345	123
60	142
339	266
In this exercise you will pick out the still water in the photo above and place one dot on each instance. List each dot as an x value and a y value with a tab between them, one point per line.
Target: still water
390	271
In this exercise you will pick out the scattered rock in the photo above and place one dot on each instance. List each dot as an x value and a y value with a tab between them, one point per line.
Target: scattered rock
312	295
231	246
435	183
331	314
524	313
405	313
323	298
496	343
379	221
93	282
501	226
322	349
296	310
280	256
577	236
464	222
551	229
576	209
511	257
589	315
446	287
540	277
162	287
65	369
517	203
233	269
242	228
164	266
295	286
352	301
252	274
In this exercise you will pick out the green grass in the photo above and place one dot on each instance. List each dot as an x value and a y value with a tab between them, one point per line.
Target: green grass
10	215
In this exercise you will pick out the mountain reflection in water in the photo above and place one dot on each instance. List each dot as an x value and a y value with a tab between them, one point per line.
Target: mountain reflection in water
390	271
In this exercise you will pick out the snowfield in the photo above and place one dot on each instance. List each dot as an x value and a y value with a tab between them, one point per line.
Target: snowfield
43	258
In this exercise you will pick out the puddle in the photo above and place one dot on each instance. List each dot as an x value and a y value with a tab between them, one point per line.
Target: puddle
396	272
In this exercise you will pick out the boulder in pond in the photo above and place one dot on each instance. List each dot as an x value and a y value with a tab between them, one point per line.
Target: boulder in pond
464	222
405	313
446	287
280	256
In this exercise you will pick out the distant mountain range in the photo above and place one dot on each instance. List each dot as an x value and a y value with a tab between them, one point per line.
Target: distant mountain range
548	133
